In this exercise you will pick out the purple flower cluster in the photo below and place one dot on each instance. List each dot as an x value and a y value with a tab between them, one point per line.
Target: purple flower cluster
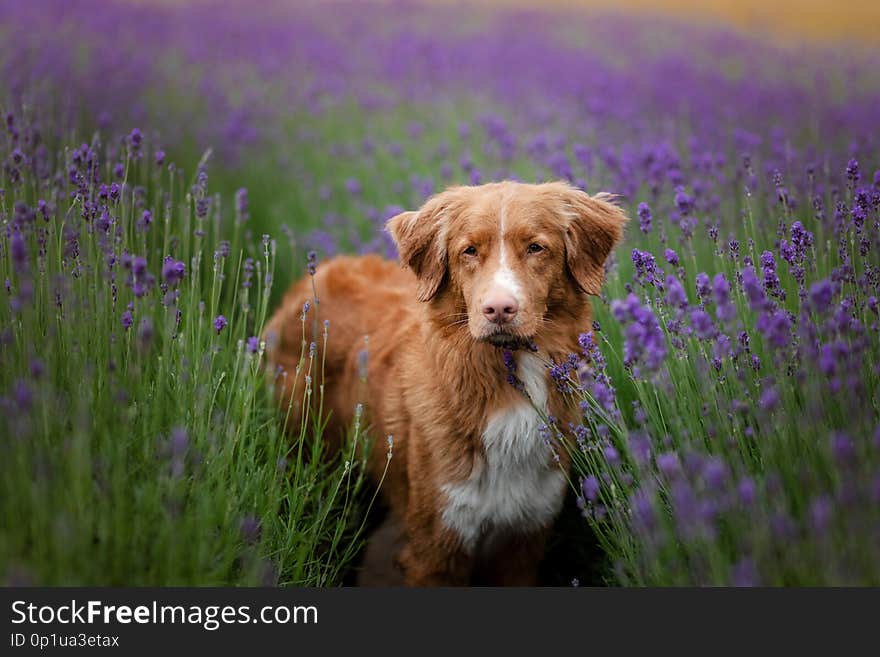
696	490
644	340
648	273
173	271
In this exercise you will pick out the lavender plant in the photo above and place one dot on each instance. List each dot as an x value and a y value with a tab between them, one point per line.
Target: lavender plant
728	386
140	443
735	438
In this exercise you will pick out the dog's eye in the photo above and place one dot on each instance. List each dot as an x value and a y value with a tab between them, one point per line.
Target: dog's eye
534	247
470	251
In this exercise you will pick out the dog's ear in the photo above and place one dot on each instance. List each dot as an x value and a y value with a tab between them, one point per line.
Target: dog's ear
421	240
595	226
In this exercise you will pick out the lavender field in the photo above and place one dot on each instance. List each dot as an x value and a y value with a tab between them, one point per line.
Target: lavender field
167	169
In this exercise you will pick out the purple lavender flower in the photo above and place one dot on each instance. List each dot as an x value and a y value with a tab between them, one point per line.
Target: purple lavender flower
733	248
202	207
307	306
37	368
253	344
715	473
200	189
852	172
611	454
145	332
822	295
668	464
675	293
724	309
683	201
140	281
703	289
353	186
647	271
590	487
752	288
769	398
312	262
146	220
44	209
645	341
643	510
702	324
135	138
776	328
139	266
19	252
604	394
173	270
821	512
219	323
745	574
22	394
747	491
843	448
640	447
686	508
251	529
178	441
104	222
645	218
247	272
511	366
771	280
242	213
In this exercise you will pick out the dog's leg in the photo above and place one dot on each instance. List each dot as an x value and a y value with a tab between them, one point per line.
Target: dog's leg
514	562
432	555
426	561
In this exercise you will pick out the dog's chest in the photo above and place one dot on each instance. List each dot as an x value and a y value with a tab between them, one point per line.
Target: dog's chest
517	486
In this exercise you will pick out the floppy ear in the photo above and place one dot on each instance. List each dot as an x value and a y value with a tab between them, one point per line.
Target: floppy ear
595	227
421	240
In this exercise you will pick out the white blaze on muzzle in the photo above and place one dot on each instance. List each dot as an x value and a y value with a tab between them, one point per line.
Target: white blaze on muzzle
504	277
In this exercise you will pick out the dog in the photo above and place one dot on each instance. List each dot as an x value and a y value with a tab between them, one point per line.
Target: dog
449	356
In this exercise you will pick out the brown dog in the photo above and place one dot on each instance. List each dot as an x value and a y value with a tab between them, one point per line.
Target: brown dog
490	270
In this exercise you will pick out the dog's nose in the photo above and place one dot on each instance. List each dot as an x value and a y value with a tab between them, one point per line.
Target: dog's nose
500	308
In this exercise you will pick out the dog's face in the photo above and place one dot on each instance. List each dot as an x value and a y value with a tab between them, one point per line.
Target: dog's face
503	258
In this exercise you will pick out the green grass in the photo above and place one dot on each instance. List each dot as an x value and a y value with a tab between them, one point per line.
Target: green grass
135	459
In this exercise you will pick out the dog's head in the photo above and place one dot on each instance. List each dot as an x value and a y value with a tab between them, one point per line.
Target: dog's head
504	258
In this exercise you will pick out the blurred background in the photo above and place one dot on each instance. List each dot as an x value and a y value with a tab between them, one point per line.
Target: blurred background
854	22
274	93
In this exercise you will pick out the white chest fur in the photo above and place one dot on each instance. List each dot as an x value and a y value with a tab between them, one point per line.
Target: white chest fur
516	486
